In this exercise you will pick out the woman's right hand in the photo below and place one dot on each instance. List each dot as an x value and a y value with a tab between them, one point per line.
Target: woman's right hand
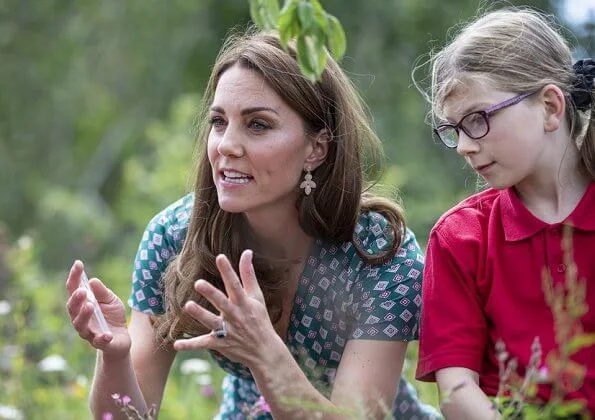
115	343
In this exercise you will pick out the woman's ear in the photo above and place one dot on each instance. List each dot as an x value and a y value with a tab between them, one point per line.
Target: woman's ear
319	149
554	104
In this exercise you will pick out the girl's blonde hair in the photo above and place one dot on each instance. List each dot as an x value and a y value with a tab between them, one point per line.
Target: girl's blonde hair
516	50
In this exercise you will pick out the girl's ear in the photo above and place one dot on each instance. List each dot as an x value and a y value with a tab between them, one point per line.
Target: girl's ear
319	149
554	104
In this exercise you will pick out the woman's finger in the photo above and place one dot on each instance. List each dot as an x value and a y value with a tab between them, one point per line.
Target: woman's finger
81	321
75	303
101	291
74	276
205	317
204	341
101	341
232	283
248	276
217	298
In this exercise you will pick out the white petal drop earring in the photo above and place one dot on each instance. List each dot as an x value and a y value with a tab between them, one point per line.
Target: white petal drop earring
307	184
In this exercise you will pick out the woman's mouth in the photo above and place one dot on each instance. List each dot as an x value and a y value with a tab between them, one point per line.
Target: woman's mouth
234	177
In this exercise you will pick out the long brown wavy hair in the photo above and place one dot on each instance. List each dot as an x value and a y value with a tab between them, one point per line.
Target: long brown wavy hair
329	213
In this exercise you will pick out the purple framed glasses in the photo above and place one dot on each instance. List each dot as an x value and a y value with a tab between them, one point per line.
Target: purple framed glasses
475	125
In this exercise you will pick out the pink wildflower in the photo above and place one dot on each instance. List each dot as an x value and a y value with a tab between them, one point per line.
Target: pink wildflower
207	391
543	375
261	406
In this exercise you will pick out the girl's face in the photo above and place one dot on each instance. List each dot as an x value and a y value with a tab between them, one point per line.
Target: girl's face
257	145
515	149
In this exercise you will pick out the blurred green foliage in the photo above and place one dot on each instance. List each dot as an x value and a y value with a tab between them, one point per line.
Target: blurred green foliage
317	33
97	101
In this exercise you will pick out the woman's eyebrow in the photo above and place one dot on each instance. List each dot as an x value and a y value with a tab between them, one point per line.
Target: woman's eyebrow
246	111
254	109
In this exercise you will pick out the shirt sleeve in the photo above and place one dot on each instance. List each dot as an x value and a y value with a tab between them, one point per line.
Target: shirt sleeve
389	303
161	242
453	325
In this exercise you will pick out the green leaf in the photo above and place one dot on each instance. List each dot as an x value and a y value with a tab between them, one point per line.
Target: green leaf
319	53
306	16
581	341
304	61
335	36
255	13
289	25
271	13
264	13
508	411
320	16
531	412
568	408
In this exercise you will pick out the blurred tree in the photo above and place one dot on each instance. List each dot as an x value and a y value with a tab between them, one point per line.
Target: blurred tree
97	100
81	83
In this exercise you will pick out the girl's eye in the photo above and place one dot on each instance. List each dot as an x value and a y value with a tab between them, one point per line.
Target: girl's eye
258	125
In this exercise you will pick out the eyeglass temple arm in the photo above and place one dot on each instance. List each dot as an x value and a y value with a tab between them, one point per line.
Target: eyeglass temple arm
508	102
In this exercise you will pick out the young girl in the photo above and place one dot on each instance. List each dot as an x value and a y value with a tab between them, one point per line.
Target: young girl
319	310
509	100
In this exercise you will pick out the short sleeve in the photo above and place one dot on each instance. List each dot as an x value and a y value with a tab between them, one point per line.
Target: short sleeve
162	240
453	325
389	299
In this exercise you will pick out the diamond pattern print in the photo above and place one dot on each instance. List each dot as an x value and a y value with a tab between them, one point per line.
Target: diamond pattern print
339	298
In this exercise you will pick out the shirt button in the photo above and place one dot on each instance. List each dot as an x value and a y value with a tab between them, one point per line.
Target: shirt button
561	268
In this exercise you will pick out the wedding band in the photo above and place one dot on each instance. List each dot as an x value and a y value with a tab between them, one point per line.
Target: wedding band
220	332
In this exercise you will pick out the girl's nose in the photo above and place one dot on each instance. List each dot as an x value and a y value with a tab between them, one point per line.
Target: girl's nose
466	145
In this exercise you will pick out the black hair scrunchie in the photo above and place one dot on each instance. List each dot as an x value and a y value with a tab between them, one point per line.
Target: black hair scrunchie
583	85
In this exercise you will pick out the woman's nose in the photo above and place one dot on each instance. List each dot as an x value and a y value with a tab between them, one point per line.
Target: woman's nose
230	143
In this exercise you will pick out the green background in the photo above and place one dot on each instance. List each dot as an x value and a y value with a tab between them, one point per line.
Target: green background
97	100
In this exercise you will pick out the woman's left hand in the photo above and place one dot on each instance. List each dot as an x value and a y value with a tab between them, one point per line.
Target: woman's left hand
243	315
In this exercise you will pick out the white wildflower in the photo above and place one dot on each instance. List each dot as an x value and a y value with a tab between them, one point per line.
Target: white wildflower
197	366
25	242
5	307
81	380
10	413
204	379
53	363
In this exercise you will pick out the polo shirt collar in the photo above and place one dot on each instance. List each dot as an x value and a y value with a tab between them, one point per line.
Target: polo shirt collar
519	223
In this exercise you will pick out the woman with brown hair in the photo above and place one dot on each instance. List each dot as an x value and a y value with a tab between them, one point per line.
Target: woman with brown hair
304	288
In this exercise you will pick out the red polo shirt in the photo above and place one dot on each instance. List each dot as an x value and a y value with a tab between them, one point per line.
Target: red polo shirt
482	282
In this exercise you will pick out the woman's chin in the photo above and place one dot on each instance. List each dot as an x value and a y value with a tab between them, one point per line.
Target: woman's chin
232	206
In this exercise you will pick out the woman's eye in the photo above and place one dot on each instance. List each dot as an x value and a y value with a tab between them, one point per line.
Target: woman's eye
258	125
217	122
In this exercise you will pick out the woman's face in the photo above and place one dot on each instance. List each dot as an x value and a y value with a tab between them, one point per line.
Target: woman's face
257	145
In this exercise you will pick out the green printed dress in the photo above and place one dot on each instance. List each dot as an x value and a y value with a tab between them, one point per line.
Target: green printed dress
339	298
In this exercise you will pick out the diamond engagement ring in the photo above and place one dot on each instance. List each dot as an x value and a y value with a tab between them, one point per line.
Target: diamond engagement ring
220	332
